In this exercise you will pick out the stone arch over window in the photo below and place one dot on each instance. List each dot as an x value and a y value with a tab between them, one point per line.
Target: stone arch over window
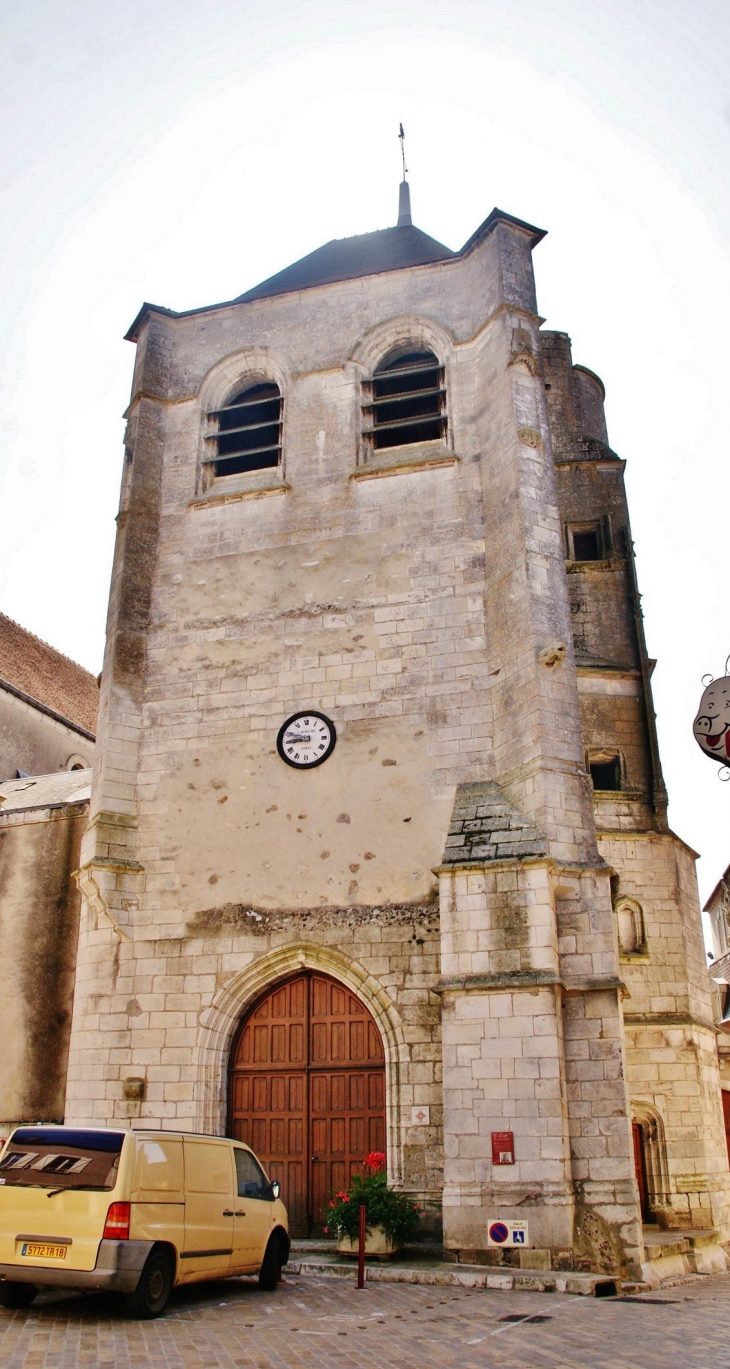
408	330
222	1021
252	377
650	1125
77	762
631	929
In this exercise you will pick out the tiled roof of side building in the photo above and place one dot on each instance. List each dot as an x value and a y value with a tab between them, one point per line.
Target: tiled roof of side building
39	671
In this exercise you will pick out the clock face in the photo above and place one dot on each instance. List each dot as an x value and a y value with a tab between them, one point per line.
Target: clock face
306	739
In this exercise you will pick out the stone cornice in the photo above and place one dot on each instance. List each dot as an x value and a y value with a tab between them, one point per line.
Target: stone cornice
527	979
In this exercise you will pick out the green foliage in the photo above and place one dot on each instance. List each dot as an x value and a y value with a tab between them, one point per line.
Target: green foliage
386	1208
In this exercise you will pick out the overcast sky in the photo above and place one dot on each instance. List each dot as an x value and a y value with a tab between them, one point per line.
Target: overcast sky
182	152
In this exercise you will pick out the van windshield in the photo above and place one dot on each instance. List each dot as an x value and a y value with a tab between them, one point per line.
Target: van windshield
61	1157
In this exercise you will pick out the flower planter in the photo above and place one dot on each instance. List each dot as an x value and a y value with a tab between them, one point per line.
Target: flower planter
377	1245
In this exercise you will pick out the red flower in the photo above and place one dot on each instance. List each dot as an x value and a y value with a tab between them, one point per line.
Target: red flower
375	1160
343	1197
325	1230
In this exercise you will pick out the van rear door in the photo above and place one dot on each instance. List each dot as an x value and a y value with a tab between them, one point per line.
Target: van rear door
210	1199
56	1185
158	1189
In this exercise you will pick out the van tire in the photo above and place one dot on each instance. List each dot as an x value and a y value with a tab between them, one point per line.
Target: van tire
152	1294
272	1265
16	1294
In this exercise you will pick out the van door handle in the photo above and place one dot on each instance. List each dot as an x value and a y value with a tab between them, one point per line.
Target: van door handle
228	1212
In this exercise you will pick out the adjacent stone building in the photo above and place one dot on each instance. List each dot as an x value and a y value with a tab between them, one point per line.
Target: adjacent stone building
48	707
41	824
378	854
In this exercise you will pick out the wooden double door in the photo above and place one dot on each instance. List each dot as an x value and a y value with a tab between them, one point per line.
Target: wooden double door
307	1091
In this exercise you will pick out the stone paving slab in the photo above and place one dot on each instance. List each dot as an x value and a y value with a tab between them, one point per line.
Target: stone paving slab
329	1324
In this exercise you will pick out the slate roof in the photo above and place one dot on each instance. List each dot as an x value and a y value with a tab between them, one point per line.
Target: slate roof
44	675
45	791
486	826
366	254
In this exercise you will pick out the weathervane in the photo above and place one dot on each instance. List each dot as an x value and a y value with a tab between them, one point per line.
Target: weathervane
402	139
404	191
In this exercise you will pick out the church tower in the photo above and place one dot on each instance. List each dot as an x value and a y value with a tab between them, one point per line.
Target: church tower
378	840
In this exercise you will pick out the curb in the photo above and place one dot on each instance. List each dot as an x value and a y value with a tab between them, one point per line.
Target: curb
462	1276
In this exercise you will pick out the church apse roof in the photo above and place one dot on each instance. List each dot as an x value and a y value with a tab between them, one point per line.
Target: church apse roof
365	254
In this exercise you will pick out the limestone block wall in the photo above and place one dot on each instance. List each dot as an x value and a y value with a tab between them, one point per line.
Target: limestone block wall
612	714
39	919
533	1044
672	1060
167	1011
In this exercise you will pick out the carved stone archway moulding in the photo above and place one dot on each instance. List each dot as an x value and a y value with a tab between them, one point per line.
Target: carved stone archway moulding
407	328
655	1155
220	1022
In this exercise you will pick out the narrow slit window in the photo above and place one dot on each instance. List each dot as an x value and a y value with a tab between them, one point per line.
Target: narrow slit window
248	437
408	402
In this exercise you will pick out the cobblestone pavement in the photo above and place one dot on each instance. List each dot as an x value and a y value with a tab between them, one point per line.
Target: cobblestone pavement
315	1324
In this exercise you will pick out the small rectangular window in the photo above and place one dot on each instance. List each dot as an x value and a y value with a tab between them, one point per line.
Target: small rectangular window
587	545
606	774
586	542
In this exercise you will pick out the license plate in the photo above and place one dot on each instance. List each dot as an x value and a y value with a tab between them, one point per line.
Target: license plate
35	1251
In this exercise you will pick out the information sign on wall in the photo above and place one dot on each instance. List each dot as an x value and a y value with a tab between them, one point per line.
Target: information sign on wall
503	1148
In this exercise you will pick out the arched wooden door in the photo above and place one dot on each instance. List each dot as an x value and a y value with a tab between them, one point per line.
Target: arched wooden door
307	1091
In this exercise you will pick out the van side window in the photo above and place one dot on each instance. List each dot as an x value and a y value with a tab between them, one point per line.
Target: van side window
251	1180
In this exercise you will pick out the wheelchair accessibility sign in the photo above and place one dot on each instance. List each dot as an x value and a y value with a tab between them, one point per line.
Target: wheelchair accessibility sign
507	1234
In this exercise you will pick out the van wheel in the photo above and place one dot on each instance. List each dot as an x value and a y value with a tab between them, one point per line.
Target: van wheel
16	1294
271	1267
152	1293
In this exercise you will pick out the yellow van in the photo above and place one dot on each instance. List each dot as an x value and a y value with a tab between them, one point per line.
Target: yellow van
135	1212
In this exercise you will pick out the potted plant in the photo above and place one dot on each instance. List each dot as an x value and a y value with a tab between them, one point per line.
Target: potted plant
391	1218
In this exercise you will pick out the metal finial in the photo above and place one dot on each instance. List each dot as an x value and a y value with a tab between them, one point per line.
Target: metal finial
404	196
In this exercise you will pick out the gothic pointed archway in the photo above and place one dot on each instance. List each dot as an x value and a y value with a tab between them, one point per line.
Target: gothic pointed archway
307	1090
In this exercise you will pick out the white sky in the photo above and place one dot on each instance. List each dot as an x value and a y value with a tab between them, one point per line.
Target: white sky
182	152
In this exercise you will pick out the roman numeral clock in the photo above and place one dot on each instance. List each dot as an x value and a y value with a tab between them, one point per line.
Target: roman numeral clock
306	740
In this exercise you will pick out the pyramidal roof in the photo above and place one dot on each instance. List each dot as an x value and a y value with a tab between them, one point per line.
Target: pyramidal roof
366	254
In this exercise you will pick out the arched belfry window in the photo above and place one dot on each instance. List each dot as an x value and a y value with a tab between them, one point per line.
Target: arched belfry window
248	434
407	403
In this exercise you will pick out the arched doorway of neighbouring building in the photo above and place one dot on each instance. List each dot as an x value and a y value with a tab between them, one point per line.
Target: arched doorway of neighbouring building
642	1182
306	1090
650	1162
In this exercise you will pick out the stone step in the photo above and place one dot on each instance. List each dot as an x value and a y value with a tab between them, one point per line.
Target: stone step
463	1276
674	1254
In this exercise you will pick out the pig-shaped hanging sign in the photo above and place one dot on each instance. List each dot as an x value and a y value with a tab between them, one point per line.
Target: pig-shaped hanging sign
712	724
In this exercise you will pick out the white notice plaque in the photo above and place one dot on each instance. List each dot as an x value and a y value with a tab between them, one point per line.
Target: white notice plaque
420	1117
